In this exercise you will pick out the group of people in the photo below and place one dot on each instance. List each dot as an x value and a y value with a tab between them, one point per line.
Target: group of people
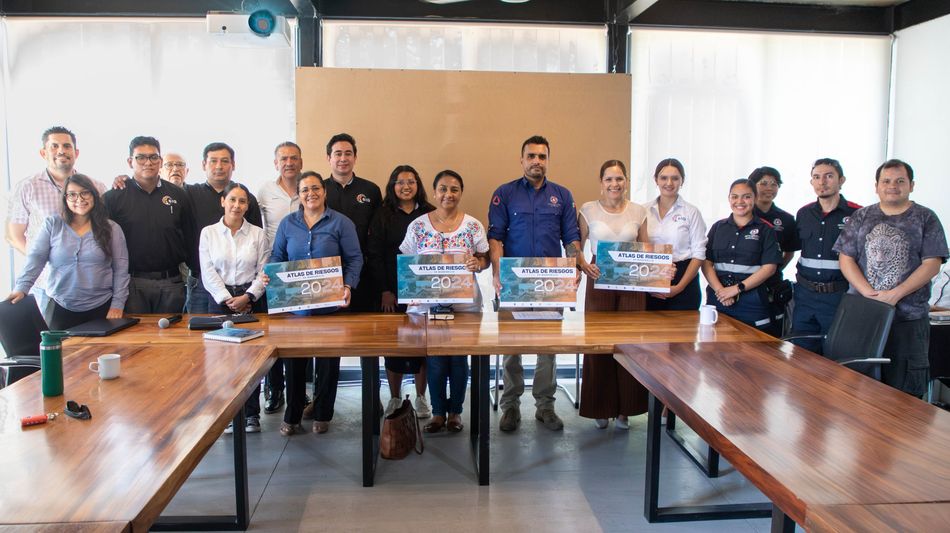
153	243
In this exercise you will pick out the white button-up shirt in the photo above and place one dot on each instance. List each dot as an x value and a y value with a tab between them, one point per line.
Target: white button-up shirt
232	259
683	227
275	205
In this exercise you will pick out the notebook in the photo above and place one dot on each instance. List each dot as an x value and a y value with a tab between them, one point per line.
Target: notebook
102	327
233	334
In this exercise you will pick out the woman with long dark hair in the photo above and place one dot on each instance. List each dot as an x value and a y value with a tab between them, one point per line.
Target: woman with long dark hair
404	202
89	274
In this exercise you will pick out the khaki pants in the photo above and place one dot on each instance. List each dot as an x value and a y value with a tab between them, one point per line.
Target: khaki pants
543	388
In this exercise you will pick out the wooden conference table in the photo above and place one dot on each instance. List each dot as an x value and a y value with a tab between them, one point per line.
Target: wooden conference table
123	466
823	443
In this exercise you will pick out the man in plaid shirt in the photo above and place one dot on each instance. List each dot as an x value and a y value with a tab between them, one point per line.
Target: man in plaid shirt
40	195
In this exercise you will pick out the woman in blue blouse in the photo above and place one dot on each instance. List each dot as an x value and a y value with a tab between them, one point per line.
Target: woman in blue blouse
89	263
316	231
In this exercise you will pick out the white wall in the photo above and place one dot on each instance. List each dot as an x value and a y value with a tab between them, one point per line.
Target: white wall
921	114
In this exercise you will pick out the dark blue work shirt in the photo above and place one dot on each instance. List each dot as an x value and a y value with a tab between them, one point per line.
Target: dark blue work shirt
783	224
332	235
532	222
737	253
818	231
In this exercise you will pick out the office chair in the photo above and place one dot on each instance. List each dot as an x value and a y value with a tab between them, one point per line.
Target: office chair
858	333
20	327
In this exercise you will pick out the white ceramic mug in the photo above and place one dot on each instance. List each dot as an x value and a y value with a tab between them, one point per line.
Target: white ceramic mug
107	365
708	315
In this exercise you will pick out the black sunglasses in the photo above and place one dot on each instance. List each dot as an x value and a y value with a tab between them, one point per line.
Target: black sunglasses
78	411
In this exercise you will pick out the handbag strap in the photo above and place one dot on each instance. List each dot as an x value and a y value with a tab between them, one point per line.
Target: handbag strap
420	444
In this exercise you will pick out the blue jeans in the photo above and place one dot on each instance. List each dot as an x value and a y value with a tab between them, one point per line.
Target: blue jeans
453	369
197	298
813	315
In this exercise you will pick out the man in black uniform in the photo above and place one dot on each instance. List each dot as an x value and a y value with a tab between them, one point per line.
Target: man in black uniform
159	227
218	163
358	199
820	281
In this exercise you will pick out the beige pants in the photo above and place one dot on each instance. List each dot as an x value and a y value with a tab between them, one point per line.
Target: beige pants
543	388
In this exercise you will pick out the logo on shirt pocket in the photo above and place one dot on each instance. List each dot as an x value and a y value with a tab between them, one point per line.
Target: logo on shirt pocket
753	234
553	201
362	199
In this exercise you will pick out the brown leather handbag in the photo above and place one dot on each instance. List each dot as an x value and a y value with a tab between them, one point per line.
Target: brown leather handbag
401	433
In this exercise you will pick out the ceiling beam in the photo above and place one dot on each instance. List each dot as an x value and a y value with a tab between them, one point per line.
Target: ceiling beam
136	8
919	11
547	11
716	14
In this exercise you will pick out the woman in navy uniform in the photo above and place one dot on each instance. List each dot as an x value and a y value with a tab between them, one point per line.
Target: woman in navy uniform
741	253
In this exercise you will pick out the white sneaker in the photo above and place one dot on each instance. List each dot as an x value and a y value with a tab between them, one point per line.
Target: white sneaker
622	422
601	423
423	409
394	404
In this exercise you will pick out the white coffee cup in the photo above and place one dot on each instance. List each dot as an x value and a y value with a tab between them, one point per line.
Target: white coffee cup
708	315
107	365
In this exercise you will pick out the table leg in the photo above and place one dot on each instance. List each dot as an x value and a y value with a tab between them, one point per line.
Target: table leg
480	419
370	385
781	523
242	517
651	509
709	464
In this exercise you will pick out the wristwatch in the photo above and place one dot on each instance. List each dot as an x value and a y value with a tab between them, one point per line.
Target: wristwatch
741	286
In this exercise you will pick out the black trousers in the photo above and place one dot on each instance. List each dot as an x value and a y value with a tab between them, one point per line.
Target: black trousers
58	317
688	300
324	388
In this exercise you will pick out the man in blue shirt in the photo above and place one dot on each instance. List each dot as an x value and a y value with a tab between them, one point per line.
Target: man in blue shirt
531	217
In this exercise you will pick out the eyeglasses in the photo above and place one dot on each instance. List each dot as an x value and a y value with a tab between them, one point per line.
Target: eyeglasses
312	188
141	158
75	410
405	183
768	183
73	196
173	164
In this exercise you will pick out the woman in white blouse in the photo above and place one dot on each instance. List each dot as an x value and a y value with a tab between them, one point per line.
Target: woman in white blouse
608	391
233	253
672	220
448	230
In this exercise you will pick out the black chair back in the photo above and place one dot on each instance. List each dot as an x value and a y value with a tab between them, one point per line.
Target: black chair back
859	329
20	327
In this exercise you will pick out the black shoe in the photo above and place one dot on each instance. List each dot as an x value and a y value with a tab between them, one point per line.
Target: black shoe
274	404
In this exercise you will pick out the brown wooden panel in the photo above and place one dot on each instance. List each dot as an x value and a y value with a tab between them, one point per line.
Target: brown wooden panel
296	336
149	429
589	333
803	429
471	122
884	518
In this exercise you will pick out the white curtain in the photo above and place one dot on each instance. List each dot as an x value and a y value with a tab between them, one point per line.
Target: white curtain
464	46
725	103
109	80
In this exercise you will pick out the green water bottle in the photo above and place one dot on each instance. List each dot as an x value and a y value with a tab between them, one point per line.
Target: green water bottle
51	362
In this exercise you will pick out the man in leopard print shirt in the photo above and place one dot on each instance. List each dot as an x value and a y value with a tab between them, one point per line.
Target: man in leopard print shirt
890	251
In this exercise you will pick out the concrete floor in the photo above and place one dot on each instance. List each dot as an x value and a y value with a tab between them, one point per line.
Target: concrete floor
580	479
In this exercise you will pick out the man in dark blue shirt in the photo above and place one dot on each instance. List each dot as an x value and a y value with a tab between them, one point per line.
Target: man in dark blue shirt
531	217
820	283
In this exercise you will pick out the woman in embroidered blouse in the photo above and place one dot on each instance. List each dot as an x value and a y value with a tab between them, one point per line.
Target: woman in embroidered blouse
89	274
607	390
233	253
448	230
